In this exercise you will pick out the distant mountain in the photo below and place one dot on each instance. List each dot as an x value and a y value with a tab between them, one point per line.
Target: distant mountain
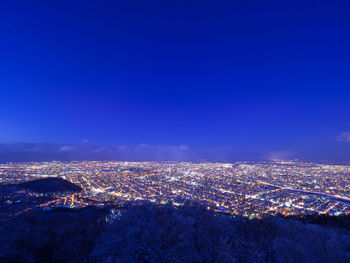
49	185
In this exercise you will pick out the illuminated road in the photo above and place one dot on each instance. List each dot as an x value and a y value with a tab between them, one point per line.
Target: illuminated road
338	198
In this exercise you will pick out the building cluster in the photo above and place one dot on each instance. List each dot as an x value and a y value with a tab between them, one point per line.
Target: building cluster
242	188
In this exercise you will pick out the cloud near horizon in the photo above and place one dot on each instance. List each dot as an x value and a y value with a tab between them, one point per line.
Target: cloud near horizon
12	152
280	155
344	137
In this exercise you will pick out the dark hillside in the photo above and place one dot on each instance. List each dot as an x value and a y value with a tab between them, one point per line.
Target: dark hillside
49	185
146	232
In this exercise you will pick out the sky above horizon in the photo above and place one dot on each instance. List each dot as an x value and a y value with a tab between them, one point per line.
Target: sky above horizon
232	79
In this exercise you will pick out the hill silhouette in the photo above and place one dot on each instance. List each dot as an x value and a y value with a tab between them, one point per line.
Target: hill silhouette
49	185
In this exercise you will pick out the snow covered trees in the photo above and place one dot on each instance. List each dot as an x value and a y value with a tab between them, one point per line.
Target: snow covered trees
148	232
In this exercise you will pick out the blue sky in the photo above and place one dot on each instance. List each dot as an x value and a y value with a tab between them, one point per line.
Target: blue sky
260	77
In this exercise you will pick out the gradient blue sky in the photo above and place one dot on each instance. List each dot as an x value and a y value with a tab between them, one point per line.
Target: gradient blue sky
252	75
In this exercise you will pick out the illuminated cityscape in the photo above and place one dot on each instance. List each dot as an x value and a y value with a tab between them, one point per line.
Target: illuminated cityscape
248	189
175	131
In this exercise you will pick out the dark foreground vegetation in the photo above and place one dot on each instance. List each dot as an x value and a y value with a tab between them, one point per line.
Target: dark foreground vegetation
144	232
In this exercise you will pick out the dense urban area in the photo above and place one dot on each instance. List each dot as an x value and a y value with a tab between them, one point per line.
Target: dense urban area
248	189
